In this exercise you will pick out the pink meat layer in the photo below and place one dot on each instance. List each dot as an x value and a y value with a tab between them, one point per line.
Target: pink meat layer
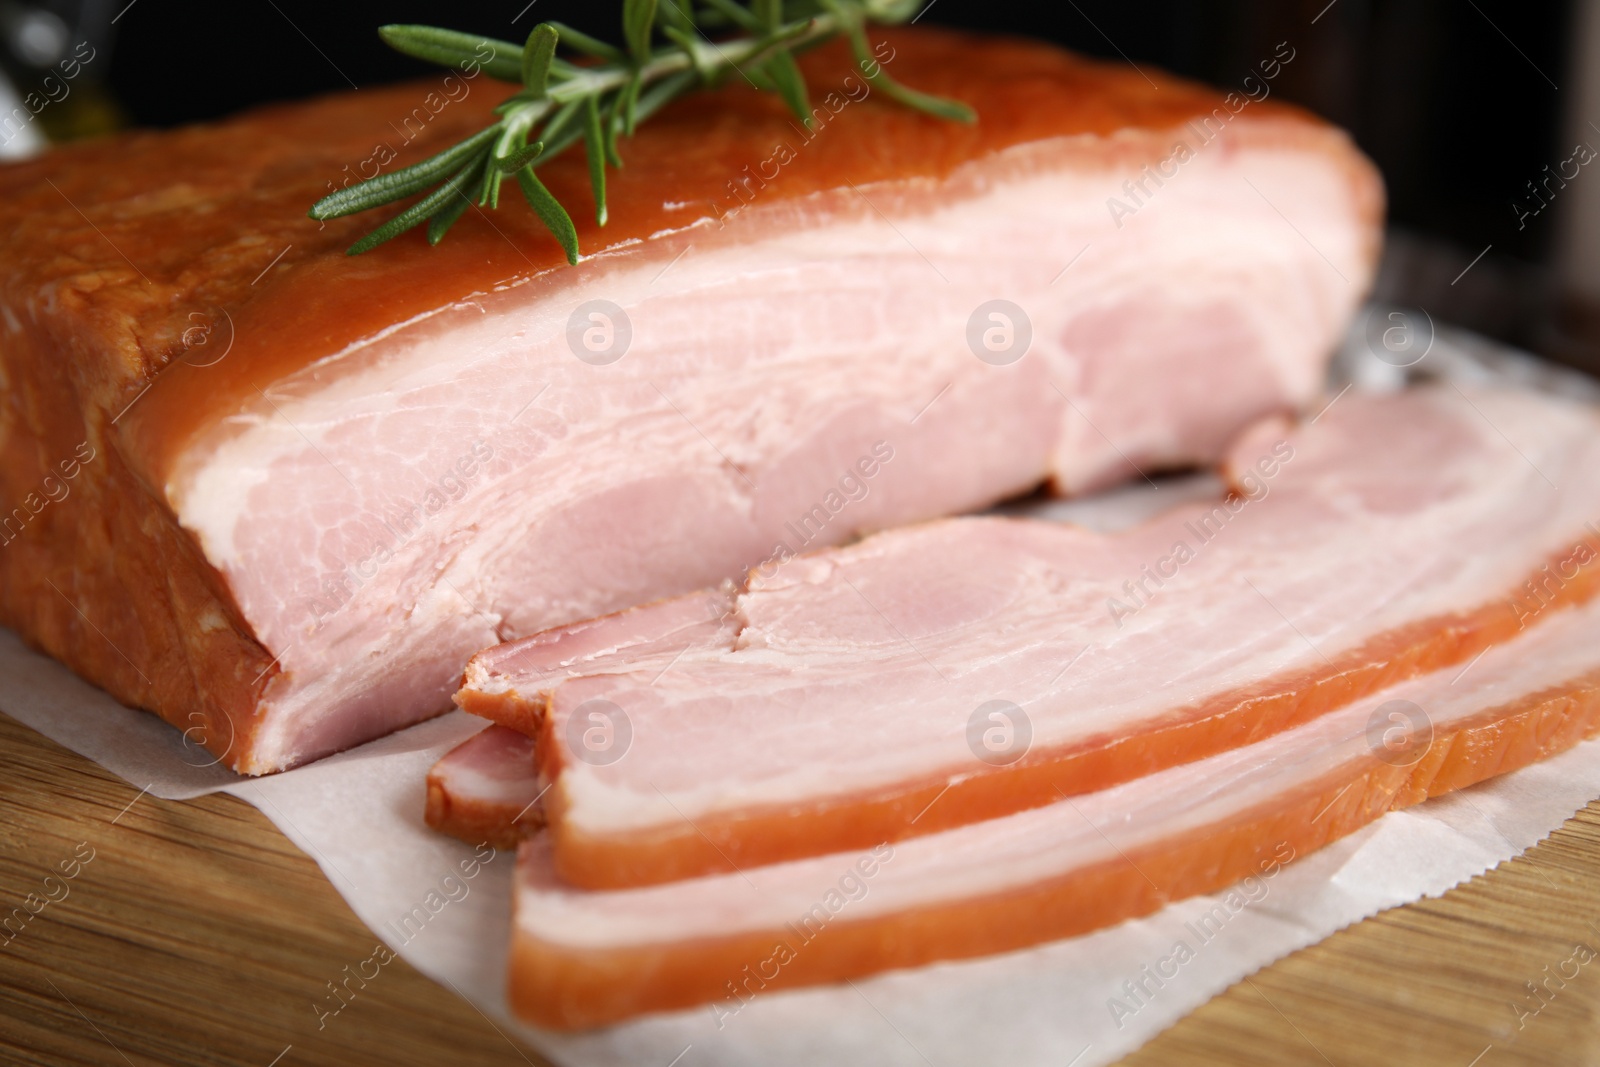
904	684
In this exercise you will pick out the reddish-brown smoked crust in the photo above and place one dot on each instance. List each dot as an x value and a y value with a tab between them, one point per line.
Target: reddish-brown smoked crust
255	178
678	169
102	577
476	822
128	266
566	988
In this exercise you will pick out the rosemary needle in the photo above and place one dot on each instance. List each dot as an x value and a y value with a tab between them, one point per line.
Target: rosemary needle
561	103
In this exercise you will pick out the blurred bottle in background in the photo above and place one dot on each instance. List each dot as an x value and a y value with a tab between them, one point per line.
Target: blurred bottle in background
54	60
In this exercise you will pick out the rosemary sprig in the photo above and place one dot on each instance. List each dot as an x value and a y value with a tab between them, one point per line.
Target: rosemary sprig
607	95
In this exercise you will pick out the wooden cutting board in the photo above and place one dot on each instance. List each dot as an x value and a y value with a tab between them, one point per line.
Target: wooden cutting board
197	934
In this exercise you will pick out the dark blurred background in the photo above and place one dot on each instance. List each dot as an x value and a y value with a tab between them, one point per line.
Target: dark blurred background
1463	103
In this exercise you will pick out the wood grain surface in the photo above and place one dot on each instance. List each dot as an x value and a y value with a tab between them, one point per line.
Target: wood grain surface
197	934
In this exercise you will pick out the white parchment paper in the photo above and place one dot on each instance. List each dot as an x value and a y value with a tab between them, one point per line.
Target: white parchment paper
359	815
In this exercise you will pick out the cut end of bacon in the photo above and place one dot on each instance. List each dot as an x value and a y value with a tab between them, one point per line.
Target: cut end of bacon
485	789
496	684
870	693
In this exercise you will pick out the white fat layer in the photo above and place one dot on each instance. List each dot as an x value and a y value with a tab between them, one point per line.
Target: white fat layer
473	785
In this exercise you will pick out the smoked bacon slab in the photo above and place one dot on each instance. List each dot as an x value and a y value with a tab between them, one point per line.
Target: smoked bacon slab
279	495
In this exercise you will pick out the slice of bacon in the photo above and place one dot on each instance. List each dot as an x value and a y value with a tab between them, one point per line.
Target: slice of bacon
485	789
585	958
961	670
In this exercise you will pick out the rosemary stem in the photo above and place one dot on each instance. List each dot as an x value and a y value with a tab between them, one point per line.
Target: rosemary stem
562	103
710	57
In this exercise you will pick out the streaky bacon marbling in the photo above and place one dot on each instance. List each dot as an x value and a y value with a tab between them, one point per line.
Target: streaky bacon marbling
937	675
587	958
319	483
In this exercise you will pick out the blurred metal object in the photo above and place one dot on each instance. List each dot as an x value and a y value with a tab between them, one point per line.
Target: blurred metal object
36	36
1500	296
54	63
16	141
1574	333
